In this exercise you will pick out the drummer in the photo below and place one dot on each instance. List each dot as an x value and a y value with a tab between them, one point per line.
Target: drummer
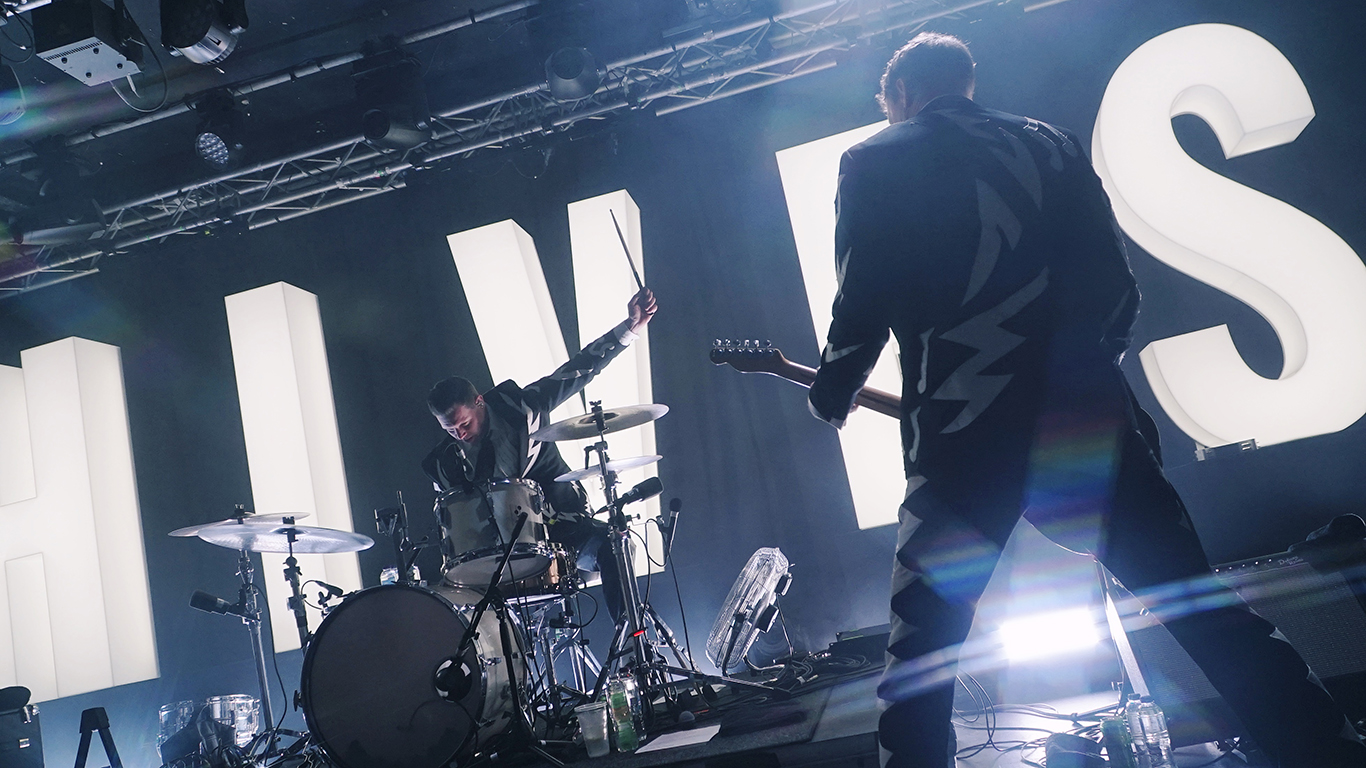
488	439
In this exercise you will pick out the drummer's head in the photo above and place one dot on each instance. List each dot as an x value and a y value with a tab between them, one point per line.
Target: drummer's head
458	408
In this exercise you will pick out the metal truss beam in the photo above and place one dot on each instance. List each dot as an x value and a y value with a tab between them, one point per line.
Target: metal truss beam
741	57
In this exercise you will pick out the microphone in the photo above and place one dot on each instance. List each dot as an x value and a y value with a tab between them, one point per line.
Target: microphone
331	590
675	506
203	601
649	487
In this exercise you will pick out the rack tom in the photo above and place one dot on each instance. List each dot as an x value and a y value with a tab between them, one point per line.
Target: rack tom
476	526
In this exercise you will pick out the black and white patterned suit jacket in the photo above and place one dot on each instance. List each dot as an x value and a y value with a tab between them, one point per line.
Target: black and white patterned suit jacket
527	409
986	243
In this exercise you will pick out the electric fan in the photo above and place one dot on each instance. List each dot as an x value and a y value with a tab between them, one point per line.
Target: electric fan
750	608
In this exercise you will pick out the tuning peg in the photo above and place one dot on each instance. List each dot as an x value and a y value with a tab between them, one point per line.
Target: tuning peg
716	343
768	344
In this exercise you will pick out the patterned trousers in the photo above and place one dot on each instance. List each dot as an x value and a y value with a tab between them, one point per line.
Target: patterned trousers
949	542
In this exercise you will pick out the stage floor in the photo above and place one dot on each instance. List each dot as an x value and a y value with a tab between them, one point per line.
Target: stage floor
840	730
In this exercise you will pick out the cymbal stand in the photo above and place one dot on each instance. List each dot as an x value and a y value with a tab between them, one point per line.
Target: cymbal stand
251	616
638	619
296	599
631	625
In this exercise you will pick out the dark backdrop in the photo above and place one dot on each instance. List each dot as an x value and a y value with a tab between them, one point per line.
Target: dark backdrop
753	468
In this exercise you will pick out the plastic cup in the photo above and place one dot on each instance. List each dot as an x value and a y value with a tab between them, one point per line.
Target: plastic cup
593	723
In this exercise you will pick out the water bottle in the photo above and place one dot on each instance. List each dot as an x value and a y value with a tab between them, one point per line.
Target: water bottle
1158	741
1133	718
621	716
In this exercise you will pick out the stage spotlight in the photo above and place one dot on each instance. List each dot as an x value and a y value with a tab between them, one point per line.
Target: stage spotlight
203	31
572	74
1048	634
11	96
393	101
219	141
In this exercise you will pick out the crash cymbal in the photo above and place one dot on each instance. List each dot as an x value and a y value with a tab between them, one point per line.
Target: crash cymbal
614	420
615	465
273	518
259	537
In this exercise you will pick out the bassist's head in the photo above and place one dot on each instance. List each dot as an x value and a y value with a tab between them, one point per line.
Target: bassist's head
929	66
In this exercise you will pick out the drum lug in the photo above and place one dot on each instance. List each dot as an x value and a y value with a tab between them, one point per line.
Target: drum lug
493	660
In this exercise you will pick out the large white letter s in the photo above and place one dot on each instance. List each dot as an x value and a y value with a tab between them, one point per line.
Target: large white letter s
1300	276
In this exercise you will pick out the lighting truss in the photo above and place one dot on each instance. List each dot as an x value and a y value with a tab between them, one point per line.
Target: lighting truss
741	56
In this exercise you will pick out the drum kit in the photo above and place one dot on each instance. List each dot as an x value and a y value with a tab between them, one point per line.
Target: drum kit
488	662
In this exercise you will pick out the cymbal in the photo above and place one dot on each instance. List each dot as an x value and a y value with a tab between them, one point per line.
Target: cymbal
614	420
270	537
273	518
615	465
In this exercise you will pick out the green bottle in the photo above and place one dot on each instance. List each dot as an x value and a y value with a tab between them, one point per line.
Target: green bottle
1119	745
623	720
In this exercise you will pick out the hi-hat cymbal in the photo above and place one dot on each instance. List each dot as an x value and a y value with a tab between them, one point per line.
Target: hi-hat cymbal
615	465
273	518
270	537
614	420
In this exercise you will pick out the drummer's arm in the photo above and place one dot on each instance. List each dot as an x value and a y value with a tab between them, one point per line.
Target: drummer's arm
569	379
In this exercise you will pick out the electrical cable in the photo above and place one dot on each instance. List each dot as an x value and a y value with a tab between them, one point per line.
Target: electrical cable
584	625
165	85
31	48
783	616
645	543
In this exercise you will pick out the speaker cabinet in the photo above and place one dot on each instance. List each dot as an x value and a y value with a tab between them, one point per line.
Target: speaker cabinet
1321	614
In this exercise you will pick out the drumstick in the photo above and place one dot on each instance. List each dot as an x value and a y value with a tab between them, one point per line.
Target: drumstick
625	249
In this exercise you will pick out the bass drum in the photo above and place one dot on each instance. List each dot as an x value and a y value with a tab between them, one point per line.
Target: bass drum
382	688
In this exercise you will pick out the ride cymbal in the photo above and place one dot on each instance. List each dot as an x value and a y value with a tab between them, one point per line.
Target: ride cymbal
613	420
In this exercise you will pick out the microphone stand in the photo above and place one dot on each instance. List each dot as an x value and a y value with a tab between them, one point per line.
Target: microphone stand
493	597
492	593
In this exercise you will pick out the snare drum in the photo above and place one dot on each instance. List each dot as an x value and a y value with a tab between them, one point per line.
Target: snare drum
475	528
560	579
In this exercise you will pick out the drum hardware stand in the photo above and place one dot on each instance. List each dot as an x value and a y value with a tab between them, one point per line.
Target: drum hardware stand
638	618
393	522
251	616
522	729
296	598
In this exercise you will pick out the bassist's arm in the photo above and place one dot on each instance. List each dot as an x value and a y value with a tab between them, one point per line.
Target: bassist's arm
859	328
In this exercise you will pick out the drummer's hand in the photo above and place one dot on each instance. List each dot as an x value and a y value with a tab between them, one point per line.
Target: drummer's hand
641	308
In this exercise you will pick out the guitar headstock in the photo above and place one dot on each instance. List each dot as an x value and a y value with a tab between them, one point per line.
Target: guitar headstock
748	355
